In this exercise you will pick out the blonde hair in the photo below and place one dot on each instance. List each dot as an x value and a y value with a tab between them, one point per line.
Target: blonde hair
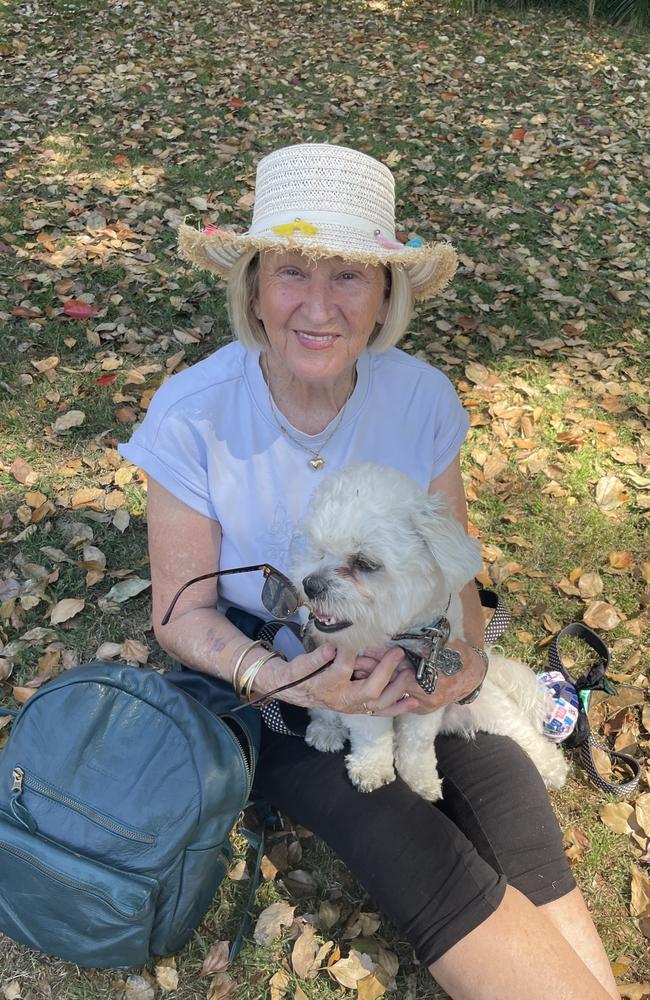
246	327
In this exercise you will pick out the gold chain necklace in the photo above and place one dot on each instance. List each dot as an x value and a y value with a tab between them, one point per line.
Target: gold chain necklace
317	461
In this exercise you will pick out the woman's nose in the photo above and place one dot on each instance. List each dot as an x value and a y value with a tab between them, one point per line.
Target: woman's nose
319	303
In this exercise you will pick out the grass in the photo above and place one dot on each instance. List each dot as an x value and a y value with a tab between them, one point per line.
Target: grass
128	112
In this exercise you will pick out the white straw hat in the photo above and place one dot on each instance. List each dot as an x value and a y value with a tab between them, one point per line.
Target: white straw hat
324	201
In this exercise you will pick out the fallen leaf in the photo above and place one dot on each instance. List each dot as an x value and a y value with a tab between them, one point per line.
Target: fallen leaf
328	914
73	418
222	986
108	651
11	990
615	816
271	921
6	668
126	589
279	983
138	988
167	978
642	812
611	493
66	609
22	694
217	958
590	585
370	988
634	991
348	971
601	615
133	651
79	310
640	903
23	472
304	952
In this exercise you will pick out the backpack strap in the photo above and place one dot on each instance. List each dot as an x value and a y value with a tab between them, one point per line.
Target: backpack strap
11	712
256	839
594	680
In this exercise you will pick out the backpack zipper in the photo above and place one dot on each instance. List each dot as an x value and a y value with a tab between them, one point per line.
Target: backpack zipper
72	883
21	781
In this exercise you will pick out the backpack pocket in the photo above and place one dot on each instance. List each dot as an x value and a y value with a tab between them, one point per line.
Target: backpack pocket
75	908
201	874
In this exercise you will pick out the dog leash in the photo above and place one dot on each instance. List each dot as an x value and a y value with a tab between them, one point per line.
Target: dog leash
594	680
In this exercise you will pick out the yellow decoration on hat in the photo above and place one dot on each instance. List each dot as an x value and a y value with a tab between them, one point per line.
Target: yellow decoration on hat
298	225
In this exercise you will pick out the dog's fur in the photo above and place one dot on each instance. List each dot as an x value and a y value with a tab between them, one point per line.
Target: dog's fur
368	516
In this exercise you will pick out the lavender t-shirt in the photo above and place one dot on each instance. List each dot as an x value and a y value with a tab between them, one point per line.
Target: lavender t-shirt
210	438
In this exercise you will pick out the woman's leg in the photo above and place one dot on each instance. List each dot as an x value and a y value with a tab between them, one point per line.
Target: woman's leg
516	954
504	809
573	920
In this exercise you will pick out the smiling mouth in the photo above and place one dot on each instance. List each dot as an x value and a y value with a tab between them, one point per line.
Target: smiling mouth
328	624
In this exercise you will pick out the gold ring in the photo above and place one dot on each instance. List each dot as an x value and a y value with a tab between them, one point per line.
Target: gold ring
368	711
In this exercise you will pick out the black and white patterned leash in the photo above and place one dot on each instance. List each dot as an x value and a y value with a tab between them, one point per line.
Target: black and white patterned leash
594	680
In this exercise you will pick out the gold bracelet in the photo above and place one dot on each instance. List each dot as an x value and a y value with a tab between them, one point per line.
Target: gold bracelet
241	657
251	673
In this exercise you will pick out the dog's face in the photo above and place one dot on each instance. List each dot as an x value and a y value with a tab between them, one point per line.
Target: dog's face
383	555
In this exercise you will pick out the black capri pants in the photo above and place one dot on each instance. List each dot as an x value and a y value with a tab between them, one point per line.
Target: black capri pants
436	871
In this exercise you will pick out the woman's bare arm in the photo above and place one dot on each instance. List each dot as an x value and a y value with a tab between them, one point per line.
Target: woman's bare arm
184	544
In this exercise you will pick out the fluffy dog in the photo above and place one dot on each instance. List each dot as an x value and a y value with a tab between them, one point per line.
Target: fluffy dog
384	557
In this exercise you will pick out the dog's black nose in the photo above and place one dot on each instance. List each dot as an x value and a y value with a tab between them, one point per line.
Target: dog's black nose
314	586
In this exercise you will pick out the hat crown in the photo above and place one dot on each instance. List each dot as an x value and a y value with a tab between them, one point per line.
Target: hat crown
300	180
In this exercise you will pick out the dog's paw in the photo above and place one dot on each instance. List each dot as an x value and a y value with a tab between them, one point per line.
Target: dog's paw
325	736
368	773
556	774
427	788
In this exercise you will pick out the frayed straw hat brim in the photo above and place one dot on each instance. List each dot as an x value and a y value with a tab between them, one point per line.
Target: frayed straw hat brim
430	267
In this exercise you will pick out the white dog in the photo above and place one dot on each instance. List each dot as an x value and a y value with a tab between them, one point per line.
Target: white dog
386	557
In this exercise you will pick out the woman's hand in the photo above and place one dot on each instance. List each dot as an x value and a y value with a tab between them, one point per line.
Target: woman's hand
448	689
336	687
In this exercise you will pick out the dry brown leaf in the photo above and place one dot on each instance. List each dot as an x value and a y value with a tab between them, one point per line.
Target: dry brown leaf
268	869
86	497
348	971
328	914
279	983
138	988
620	560
304	952
370	988
23	472
271	921
238	872
66	609
167	977
634	991
11	990
133	651
640	904
222	987
590	585
601	615
642	812
575	843
611	493
616	816
217	958
6	668
73	418
300	993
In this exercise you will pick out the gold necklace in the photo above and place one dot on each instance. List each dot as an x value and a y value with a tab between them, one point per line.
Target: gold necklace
317	461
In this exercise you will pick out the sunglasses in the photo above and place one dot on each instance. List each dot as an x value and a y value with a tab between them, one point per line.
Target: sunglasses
279	596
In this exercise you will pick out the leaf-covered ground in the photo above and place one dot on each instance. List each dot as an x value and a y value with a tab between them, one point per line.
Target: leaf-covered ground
521	141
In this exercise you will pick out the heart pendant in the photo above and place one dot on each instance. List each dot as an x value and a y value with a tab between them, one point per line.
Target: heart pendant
317	462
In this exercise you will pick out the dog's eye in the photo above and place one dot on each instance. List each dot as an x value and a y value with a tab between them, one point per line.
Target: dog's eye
365	565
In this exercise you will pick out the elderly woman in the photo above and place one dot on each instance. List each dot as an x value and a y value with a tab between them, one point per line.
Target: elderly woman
319	293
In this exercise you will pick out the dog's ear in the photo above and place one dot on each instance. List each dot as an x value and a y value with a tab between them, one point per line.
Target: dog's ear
457	555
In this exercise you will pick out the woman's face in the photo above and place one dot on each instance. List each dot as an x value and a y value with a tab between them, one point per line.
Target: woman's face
318	315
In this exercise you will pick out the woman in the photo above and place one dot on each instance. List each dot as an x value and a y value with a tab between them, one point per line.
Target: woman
319	291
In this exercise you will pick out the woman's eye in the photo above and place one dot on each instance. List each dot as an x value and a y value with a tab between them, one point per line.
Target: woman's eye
365	565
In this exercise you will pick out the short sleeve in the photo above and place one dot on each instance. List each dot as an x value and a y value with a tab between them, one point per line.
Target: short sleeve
451	424
170	448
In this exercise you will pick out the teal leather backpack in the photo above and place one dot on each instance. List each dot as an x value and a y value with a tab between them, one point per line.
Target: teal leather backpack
118	790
